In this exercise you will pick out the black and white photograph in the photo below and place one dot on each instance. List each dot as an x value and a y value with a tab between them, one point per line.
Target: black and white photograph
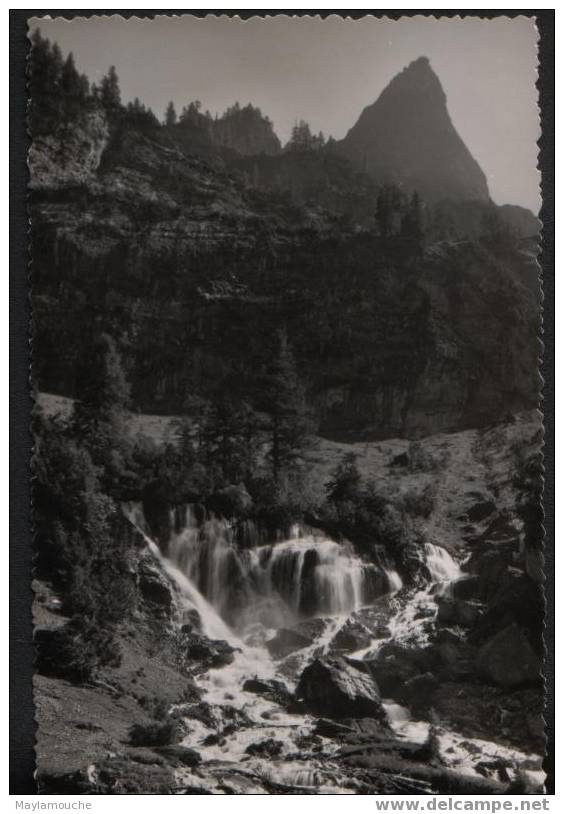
287	469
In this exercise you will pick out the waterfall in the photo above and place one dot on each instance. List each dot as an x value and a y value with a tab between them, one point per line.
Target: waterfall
441	565
209	557
273	585
190	597
315	575
395	582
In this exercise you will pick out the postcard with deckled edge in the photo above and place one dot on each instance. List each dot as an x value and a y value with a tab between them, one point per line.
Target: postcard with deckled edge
288	445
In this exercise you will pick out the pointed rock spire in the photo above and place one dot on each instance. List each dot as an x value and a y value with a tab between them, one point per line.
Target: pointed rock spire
406	137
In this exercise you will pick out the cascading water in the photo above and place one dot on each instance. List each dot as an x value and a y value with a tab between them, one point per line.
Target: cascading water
440	564
212	623
276	584
207	556
410	621
330	573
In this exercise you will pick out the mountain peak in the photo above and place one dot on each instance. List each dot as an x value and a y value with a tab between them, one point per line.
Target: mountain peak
417	77
419	67
406	137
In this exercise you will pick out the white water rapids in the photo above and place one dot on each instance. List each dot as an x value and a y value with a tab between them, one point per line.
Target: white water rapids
273	586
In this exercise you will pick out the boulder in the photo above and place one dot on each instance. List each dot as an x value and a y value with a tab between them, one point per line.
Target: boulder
480	510
376	618
271	689
456	656
458	612
394	664
353	635
331	729
466	588
286	641
516	600
489	562
209	652
289	640
309	743
376	583
417	693
266	748
309	599
336	688
508	659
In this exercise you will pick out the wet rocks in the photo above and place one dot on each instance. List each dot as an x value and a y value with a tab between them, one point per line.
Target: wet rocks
466	588
177	755
353	635
209	653
417	693
191	621
327	728
376	582
154	587
290	640
340	689
201	711
309	743
458	612
376	618
394	664
508	659
266	748
272	690
286	641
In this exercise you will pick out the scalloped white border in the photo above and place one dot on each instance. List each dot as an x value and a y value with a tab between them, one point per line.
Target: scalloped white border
328	804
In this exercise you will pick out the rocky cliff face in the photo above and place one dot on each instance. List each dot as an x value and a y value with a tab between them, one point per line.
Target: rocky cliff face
193	270
406	137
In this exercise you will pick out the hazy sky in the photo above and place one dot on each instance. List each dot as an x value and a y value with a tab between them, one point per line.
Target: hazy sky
327	71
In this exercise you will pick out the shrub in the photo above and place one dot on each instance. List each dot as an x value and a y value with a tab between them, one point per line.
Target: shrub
156	707
157	733
75	651
426	460
79	539
419	502
345	483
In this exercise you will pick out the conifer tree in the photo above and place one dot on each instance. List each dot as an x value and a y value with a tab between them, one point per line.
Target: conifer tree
101	399
229	439
74	87
289	424
45	72
170	115
109	90
301	139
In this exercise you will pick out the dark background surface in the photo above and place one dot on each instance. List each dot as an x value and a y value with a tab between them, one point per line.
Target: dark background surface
22	722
